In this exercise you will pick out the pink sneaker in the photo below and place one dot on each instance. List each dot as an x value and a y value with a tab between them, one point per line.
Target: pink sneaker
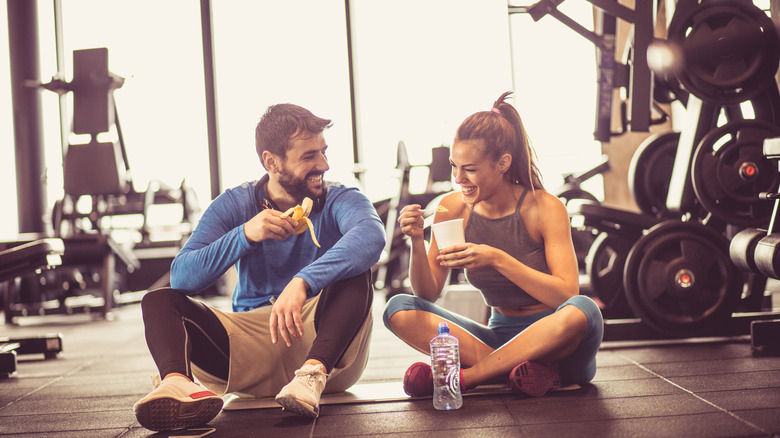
418	380
534	378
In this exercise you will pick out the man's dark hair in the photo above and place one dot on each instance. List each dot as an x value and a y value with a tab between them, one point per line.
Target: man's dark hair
283	123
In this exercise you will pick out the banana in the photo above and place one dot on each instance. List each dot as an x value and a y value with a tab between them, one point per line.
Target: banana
301	214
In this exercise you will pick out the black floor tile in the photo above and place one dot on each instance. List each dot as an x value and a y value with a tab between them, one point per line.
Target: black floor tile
63	390
732	382
693	350
623	372
99	433
710	425
745	399
767	419
264	423
697	388
47	406
627	388
420	421
548	410
89	420
472	432
720	366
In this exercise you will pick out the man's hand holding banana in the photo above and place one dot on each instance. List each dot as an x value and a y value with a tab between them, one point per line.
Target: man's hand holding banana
301	214
272	224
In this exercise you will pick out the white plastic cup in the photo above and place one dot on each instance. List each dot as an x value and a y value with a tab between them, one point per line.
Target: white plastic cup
448	233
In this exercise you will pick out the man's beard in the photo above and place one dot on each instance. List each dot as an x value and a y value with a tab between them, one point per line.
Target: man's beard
297	188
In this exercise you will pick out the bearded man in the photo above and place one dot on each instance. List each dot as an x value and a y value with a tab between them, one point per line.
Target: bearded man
300	323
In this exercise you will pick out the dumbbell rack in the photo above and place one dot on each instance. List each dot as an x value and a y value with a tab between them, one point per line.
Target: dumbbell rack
755	250
666	272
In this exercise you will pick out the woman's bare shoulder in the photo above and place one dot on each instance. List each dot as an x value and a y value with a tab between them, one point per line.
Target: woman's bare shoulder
451	206
547	201
543	210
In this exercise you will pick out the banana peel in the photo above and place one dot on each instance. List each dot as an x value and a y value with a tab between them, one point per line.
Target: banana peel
301	214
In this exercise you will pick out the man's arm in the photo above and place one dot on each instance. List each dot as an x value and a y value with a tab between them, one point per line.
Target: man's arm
216	244
361	243
357	250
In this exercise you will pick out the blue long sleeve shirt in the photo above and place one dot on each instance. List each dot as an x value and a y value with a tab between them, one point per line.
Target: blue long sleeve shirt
347	227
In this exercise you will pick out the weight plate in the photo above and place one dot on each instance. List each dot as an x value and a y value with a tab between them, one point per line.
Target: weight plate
764	106
679	279
730	49
581	237
729	170
604	267
650	171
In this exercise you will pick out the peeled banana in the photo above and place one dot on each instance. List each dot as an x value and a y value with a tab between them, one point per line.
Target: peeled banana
301	214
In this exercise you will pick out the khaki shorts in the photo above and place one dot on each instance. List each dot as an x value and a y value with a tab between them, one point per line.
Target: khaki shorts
259	368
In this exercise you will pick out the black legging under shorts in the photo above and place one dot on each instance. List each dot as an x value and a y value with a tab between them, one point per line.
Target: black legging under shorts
180	330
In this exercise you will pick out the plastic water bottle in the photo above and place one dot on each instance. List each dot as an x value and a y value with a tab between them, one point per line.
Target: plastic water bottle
445	363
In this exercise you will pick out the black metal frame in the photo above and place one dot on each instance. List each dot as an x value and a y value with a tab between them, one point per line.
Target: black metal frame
632	73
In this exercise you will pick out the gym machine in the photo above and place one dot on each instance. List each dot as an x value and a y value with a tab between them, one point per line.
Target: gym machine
110	189
17	261
632	74
101	263
666	272
391	271
571	192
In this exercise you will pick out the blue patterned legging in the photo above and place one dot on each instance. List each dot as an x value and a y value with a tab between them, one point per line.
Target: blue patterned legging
579	367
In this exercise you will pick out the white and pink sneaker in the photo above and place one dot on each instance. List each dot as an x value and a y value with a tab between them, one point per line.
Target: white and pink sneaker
176	403
302	394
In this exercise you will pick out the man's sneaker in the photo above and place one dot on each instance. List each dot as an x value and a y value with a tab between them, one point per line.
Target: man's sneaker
176	403
534	378
302	394
418	380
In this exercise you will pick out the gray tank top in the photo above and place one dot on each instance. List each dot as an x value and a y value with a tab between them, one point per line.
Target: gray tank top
508	234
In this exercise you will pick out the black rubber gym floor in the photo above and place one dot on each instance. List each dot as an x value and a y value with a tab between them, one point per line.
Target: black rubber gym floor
696	388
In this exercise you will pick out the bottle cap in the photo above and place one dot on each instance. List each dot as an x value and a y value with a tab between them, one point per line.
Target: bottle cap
443	328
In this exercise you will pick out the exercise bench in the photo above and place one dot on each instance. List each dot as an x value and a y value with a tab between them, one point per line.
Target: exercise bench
21	260
84	282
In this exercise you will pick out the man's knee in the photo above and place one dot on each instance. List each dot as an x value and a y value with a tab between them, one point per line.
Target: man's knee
359	283
159	299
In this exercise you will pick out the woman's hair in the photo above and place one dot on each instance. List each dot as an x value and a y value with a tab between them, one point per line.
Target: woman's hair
502	132
283	123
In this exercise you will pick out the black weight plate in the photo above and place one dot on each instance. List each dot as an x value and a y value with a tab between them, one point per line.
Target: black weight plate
673	255
650	171
764	106
582	238
730	49
718	172
604	267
